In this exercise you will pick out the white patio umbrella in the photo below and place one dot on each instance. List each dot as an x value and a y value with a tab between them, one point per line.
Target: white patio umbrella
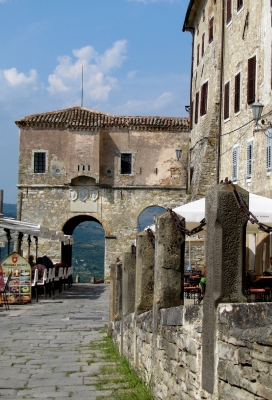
260	206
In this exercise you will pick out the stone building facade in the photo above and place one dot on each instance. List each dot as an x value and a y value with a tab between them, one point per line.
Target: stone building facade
231	70
78	164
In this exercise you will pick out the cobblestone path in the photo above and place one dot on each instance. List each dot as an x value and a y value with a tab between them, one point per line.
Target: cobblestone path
44	346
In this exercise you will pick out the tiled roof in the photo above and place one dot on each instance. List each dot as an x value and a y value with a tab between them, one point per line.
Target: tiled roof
80	118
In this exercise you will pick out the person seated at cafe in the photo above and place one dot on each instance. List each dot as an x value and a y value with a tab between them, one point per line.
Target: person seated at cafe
40	267
202	283
47	262
268	272
31	260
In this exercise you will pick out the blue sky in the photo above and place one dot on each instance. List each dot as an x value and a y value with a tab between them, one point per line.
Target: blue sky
135	57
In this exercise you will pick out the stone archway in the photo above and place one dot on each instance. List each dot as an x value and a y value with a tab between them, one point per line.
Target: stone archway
68	228
146	217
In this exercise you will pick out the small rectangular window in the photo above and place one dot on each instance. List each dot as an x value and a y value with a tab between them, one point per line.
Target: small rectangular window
237	93
235	164
249	159
39	163
229	15
251	80
197	54
211	30
196	107
204	99
269	150
239	4
226	100
126	163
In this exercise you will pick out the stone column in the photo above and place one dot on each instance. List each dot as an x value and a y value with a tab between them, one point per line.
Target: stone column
169	263
225	261
129	273
118	299
112	291
144	274
116	291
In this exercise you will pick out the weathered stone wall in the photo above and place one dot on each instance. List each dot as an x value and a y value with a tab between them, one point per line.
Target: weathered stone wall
225	56
117	210
83	179
173	366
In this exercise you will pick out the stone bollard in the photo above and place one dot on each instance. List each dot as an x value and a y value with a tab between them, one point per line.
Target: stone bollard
169	263
113	268
225	262
144	285
129	273
77	279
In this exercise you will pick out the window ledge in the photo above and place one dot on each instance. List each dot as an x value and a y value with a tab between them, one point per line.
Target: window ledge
229	23
240	9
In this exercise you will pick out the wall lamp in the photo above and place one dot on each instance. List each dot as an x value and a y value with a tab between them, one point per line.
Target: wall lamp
257	109
178	153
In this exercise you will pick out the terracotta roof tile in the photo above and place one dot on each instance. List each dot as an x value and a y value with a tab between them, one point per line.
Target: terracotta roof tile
80	118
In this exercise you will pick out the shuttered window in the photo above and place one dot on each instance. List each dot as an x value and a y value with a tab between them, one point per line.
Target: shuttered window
237	93
239	4
197	54
204	99
196	107
203	45
249	159
269	150
226	100
251	80
229	15
235	164
211	30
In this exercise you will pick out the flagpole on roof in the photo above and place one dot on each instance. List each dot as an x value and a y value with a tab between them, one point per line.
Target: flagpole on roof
82	87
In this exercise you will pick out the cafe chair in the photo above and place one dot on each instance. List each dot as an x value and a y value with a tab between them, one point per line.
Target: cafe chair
44	283
34	283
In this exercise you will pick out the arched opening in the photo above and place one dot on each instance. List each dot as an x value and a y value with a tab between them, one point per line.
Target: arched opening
148	216
87	253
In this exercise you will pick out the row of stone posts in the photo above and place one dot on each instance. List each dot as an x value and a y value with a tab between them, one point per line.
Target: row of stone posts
154	279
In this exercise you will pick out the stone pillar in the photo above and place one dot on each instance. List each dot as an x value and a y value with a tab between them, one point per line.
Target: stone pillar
129	273
118	299
116	291
112	291
169	263
144	274
225	262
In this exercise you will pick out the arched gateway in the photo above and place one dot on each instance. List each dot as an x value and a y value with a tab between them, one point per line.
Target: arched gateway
68	229
79	163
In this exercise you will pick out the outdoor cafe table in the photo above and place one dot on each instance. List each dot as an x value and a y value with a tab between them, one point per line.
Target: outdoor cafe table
263	281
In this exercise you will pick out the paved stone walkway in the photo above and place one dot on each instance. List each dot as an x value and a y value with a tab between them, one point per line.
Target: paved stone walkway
44	346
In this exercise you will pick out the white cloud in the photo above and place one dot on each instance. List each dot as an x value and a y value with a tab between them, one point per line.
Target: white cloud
97	72
132	74
153	105
16	85
15	78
